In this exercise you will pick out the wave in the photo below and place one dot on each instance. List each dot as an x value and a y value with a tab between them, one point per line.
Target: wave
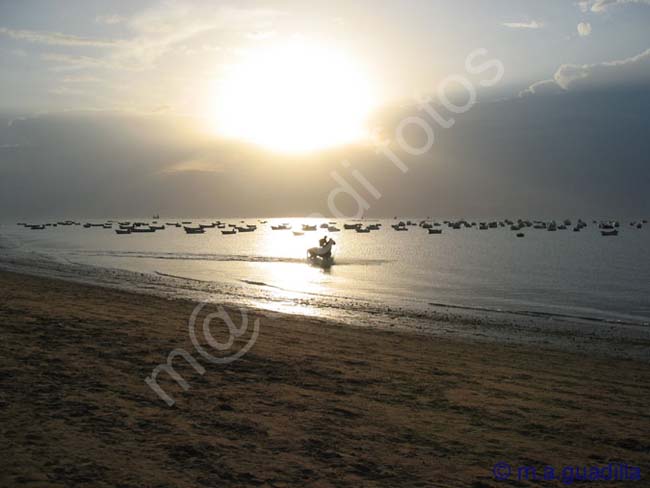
7	242
260	283
167	275
248	282
538	314
221	257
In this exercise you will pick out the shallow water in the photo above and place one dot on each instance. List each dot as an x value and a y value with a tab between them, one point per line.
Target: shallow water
559	273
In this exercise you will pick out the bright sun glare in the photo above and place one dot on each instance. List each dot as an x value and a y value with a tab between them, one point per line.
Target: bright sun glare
294	98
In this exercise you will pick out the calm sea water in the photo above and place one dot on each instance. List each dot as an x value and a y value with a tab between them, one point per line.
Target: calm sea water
561	273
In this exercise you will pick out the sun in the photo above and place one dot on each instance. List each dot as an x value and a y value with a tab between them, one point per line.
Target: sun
294	97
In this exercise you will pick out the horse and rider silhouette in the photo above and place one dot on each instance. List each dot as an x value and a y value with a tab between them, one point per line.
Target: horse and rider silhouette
325	249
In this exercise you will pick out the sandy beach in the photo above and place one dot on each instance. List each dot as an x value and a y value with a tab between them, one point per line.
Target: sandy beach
324	244
310	404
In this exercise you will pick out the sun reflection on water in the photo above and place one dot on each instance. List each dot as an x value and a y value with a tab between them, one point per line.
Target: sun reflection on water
290	285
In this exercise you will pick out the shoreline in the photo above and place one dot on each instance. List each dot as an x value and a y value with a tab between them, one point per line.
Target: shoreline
311	403
569	333
461	291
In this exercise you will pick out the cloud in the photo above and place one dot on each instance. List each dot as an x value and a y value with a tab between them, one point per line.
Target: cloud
161	29
155	33
543	87
67	62
584	29
629	71
540	165
109	19
599	6
56	38
80	79
66	91
261	36
623	71
524	25
199	165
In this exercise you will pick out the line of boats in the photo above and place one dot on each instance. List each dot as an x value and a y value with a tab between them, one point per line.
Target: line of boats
127	227
606	227
226	229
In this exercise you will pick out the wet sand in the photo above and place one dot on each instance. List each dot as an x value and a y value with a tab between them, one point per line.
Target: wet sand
311	404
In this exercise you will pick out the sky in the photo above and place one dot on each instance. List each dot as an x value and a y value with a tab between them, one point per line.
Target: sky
296	107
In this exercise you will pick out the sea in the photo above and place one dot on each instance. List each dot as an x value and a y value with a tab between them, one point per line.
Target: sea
381	277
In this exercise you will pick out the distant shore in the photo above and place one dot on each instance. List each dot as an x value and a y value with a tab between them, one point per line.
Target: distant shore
310	404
